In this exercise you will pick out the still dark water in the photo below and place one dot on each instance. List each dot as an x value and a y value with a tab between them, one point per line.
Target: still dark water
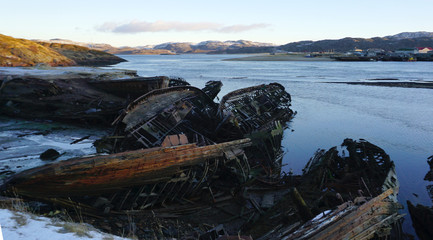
399	120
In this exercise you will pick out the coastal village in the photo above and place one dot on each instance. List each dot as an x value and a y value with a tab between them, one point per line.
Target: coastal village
371	54
374	54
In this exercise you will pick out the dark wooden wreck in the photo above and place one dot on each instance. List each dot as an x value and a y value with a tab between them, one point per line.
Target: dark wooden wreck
133	179
150	118
259	113
177	152
85	95
353	197
166	144
422	216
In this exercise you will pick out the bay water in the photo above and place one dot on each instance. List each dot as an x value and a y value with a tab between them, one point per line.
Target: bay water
399	120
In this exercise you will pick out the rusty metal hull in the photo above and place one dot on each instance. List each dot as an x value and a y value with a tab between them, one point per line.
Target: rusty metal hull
110	173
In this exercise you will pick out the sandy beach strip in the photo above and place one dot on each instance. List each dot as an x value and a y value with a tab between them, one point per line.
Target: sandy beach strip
280	57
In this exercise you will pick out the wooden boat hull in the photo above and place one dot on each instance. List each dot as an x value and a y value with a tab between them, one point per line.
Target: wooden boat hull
86	96
110	173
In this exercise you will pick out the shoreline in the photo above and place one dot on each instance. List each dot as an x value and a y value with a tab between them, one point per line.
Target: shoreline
425	85
281	57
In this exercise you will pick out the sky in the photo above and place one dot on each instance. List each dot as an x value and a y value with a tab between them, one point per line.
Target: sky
142	22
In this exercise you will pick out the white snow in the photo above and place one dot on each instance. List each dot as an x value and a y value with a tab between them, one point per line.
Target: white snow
23	225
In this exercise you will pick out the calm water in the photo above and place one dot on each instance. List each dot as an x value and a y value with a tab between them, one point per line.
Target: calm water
399	120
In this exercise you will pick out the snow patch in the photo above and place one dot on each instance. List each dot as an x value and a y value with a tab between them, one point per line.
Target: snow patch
22	225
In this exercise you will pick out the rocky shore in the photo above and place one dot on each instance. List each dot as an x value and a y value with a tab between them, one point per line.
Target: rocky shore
16	52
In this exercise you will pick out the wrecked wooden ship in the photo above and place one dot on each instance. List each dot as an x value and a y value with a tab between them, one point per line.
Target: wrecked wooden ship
76	94
422	216
167	143
175	151
352	197
133	179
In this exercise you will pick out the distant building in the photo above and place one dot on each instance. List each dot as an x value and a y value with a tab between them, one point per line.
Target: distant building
278	51
373	52
423	49
405	51
356	52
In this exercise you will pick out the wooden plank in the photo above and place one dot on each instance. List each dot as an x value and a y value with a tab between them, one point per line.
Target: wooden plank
95	175
332	230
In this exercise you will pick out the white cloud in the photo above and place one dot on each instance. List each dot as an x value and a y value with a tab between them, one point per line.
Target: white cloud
242	28
164	26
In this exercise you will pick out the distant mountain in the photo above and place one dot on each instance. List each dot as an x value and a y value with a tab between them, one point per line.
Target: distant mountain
174	47
406	35
215	45
388	43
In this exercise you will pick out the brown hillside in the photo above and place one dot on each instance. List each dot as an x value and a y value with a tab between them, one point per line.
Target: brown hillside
82	55
21	52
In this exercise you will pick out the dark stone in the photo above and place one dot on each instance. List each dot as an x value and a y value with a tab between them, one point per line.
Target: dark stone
50	154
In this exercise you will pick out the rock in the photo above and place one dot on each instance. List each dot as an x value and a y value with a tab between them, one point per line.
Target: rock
50	154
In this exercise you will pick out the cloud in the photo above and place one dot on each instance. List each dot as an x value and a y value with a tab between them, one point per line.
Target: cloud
165	26
242	28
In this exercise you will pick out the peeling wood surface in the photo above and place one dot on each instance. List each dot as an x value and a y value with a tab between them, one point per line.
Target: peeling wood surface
330	179
254	107
108	173
135	87
78	96
352	222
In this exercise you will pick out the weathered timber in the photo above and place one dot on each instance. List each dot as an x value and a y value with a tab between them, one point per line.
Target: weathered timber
252	108
191	112
350	221
76	95
111	173
366	165
422	216
212	88
422	220
303	209
133	88
149	119
330	180
429	175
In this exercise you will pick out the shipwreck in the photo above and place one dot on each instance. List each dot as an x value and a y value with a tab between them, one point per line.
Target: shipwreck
170	143
74	94
422	216
176	154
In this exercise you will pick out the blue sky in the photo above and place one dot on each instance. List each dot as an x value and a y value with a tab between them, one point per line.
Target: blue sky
138	23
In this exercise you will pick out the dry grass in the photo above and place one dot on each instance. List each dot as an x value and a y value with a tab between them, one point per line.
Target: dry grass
22	52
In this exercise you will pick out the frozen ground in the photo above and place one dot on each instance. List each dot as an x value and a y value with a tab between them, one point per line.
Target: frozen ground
23	225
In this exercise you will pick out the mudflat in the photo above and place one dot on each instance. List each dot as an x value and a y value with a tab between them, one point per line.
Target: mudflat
281	57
